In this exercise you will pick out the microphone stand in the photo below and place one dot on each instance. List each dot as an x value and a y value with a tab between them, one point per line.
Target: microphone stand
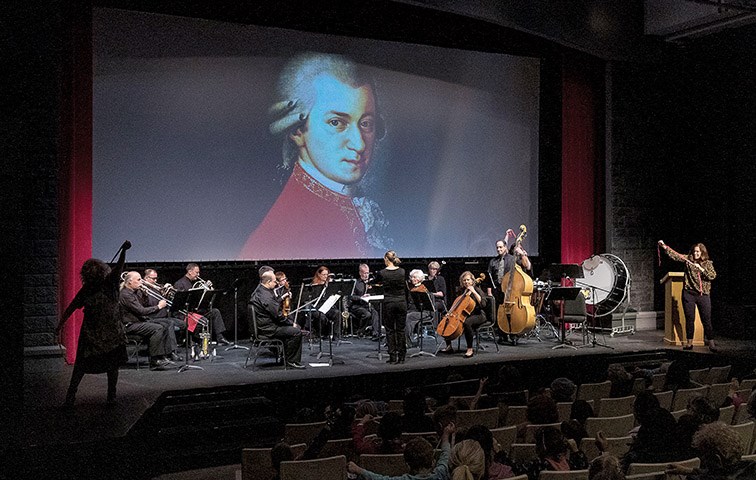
235	345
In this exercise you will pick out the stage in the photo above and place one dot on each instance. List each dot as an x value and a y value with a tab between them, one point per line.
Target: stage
204	417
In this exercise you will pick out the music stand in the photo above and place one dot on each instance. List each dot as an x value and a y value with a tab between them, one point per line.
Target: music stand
563	293
593	343
424	303
187	300
377	292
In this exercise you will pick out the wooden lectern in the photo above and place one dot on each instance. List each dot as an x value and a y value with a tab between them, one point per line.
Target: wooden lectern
674	317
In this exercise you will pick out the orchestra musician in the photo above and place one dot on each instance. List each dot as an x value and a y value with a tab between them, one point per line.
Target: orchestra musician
320	322
213	315
699	272
272	323
394	306
364	314
475	319
415	311
163	315
134	315
439	284
504	262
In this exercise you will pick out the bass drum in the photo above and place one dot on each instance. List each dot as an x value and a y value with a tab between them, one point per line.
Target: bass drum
610	279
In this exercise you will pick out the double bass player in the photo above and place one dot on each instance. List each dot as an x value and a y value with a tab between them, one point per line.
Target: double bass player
504	262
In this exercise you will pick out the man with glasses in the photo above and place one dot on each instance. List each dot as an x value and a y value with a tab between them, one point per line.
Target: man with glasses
271	323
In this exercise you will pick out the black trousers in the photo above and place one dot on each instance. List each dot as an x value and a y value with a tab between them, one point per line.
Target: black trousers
157	335
292	338
690	301
395	320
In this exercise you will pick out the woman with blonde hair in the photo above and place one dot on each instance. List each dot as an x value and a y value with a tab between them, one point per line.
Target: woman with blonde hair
468	461
476	318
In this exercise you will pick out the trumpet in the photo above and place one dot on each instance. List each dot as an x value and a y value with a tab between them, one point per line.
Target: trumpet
206	284
166	289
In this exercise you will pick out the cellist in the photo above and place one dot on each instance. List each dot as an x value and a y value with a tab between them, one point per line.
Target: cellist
475	319
502	263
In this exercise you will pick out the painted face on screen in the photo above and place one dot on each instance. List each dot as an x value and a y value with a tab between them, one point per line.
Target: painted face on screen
339	135
501	247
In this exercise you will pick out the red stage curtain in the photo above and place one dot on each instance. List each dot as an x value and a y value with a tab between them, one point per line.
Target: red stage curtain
75	160
582	159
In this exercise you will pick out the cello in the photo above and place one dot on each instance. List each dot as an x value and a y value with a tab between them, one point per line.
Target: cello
516	315
450	327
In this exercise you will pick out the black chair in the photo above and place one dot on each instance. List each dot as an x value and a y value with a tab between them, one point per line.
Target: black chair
136	343
259	343
575	312
488	328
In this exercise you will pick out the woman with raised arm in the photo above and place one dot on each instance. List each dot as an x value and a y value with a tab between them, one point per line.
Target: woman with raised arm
102	341
699	272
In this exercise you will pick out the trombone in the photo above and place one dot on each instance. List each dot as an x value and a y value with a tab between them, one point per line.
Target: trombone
153	291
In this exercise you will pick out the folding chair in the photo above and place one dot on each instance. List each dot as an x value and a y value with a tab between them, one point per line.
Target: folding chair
332	468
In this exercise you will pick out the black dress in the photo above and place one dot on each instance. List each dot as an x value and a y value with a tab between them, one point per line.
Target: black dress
102	341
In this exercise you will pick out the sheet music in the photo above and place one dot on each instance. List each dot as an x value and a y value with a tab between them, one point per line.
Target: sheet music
330	302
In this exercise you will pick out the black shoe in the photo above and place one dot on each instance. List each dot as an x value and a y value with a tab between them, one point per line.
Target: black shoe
688	347
296	365
222	340
392	360
175	357
161	364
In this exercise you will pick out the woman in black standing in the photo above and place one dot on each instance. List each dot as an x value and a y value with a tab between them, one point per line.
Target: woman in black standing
102	341
394	306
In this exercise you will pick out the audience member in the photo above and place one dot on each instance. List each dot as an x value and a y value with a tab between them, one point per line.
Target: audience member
656	441
720	450
678	376
556	453
563	390
574	428
468	461
622	381
605	467
494	469
418	455
644	405
414	418
700	411
389	438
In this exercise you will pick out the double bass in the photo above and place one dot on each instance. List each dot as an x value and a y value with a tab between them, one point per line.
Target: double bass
450	327
516	315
